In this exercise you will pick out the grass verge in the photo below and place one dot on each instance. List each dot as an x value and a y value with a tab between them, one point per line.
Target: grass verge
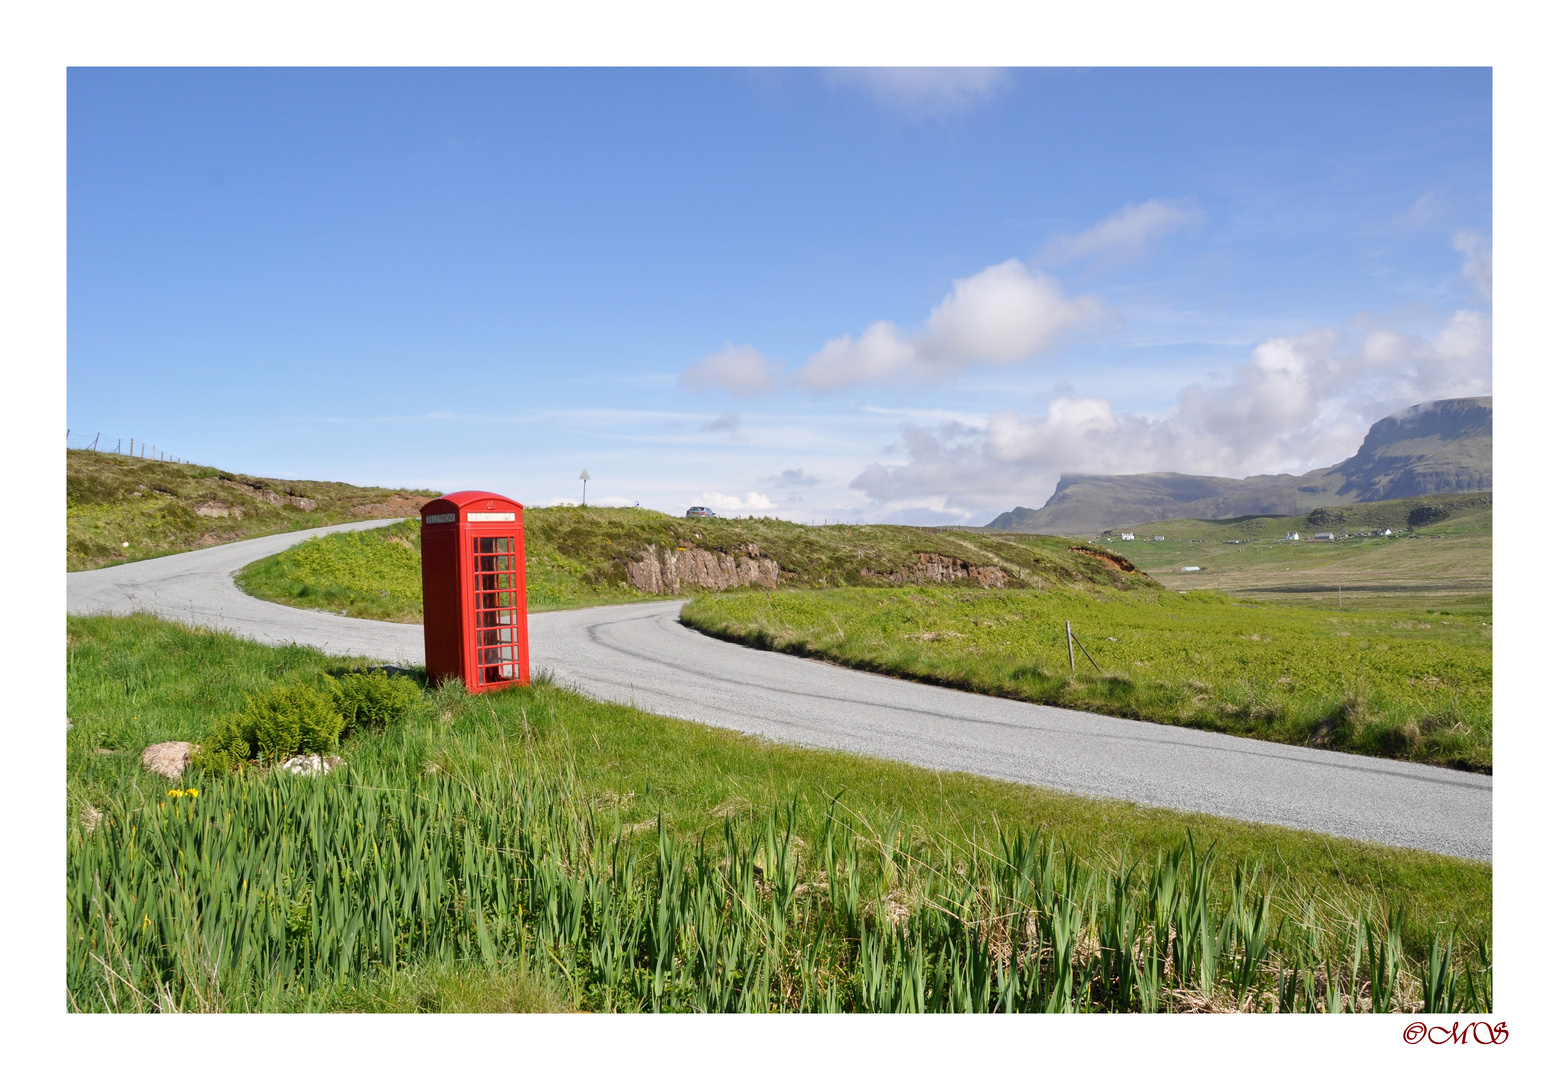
535	849
1416	687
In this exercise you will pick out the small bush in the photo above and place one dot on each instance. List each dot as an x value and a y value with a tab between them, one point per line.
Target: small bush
372	699
273	726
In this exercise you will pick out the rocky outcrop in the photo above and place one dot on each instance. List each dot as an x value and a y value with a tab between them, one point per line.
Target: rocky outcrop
664	571
260	491
930	568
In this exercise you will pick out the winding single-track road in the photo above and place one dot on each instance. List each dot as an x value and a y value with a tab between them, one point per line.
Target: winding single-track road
640	653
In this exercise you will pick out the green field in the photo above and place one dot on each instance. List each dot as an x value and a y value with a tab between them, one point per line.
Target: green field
120	508
532	849
1444	561
1417	686
576	557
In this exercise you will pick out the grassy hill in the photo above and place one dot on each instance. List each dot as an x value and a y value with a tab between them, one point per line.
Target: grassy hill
1441	555
579	556
1427	514
120	508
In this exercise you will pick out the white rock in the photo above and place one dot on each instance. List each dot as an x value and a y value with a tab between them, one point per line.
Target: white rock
309	765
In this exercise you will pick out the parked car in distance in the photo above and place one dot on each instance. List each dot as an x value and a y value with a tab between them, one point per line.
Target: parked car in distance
701	511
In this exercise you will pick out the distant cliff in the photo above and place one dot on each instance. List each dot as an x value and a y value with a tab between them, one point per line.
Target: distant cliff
1434	448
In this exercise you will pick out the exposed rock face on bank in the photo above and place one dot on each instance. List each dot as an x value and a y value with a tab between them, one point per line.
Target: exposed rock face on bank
663	571
933	569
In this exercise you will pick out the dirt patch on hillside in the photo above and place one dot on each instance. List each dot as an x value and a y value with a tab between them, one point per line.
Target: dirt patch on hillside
1118	562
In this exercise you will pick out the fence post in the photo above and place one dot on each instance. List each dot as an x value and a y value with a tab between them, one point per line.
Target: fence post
1071	657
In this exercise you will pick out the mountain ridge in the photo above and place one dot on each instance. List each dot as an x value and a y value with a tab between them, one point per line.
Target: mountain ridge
1436	447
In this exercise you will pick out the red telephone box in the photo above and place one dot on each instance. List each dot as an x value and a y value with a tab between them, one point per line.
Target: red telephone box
473	590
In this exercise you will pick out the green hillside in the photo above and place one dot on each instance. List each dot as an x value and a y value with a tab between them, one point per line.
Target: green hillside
579	556
120	508
1440	554
1421	514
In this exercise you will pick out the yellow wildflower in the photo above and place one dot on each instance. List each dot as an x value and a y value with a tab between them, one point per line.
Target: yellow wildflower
193	792
175	794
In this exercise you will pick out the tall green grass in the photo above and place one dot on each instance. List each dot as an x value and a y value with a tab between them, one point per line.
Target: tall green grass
533	849
266	888
1416	686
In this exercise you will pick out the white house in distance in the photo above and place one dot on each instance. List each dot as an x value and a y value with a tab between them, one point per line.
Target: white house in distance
1325	536
1128	536
1292	536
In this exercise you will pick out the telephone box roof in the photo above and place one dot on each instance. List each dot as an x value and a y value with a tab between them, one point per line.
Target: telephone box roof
460	500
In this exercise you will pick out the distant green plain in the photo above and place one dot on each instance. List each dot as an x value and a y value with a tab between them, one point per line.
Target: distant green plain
1444	564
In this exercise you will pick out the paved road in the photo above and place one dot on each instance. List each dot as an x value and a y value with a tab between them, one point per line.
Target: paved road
639	653
196	587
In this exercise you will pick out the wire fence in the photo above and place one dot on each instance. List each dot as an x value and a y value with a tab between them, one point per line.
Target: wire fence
128	446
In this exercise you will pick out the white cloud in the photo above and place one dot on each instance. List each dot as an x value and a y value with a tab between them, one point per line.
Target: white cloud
1126	234
881	354
925	92
1469	336
1297	403
1477	262
731	504
1002	314
740	369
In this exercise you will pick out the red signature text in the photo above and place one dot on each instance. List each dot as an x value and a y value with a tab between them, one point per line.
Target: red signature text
1479	1031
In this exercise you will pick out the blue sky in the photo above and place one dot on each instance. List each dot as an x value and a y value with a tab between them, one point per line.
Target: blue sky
886	295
